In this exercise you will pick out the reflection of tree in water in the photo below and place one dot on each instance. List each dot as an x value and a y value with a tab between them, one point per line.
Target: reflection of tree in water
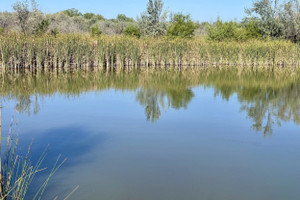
155	100
267	106
27	104
266	98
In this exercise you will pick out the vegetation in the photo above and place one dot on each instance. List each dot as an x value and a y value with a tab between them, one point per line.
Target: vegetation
153	21
123	18
233	31
95	31
17	51
265	19
56	44
276	19
22	10
41	28
73	13
181	26
132	30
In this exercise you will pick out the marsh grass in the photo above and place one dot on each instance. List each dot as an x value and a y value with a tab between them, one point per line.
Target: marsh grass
18	172
107	52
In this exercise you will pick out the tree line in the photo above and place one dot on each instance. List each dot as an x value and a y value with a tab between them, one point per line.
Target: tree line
279	19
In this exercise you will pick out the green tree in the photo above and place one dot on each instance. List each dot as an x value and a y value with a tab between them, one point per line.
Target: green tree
124	18
72	12
153	21
42	27
22	9
95	31
181	26
267	15
252	30
221	31
88	15
278	19
93	16
132	30
291	20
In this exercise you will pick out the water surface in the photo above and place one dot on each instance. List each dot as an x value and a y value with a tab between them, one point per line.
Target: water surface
209	134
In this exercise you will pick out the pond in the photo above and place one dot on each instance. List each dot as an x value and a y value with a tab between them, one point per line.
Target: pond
160	134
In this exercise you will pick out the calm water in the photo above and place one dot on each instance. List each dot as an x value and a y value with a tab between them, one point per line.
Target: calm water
161	136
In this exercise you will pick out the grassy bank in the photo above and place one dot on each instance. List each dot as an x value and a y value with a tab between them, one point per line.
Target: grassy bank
81	51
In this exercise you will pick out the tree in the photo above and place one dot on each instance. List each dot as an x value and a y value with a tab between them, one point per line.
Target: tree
88	15
22	10
182	26
7	20
132	30
29	17
233	31
41	27
275	18
153	21
124	18
252	30
95	31
93	16
291	20
72	12
221	31
267	15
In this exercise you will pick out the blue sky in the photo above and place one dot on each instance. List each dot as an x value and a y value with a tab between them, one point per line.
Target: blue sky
202	10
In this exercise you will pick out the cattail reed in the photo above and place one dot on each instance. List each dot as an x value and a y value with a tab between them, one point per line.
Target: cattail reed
112	52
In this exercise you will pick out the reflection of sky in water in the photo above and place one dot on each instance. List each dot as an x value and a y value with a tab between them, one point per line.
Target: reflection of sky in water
206	151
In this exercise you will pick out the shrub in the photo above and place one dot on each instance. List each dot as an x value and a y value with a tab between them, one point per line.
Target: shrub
227	31
90	16
95	31
182	26
41	27
72	12
252	30
132	30
1	31
54	32
124	18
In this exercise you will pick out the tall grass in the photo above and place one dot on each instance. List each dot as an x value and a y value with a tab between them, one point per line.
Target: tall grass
106	52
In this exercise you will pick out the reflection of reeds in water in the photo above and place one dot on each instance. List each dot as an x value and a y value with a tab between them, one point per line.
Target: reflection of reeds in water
261	92
17	51
73	82
18	172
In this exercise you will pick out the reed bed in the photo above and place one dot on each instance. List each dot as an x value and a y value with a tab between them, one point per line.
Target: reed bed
118	52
